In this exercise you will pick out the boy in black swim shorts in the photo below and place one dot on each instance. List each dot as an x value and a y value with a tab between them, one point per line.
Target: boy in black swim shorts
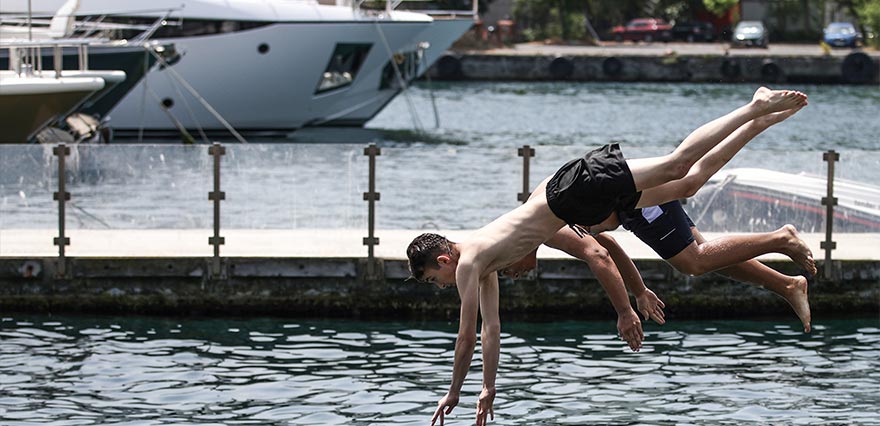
586	190
471	265
669	231
665	228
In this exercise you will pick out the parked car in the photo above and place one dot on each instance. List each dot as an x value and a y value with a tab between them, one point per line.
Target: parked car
750	33
692	31
644	29
842	34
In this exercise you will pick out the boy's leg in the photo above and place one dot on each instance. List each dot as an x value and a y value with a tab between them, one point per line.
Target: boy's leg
791	288
728	250
717	157
650	172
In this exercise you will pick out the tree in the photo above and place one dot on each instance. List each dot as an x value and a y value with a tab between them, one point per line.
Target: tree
868	14
719	7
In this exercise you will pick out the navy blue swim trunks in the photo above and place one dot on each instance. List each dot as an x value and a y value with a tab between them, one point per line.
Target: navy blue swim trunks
665	228
585	191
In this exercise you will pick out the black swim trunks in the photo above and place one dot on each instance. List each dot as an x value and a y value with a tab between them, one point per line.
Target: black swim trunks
665	228
585	191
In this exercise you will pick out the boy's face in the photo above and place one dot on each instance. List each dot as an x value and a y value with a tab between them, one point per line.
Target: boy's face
521	267
444	276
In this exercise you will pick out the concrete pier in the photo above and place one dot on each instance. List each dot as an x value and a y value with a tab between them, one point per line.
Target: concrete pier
666	62
323	273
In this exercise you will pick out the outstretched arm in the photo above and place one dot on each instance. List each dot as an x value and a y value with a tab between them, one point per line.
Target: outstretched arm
597	258
467	280
490	338
648	303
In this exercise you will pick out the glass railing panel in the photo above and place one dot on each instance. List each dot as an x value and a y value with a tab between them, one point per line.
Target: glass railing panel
295	186
446	186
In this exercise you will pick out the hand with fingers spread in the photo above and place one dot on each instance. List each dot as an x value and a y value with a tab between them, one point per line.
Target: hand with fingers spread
444	407
630	328
484	406
651	306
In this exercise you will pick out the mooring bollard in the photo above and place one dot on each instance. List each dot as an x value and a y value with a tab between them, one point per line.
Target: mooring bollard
829	201
217	151
62	196
371	197
526	152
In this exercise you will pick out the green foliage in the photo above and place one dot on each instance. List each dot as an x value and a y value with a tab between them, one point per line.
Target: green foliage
868	12
719	7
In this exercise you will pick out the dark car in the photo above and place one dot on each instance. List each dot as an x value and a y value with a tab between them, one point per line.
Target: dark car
842	34
750	33
692	31
643	29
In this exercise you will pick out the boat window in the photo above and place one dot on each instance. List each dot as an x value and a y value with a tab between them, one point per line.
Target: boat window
343	66
407	63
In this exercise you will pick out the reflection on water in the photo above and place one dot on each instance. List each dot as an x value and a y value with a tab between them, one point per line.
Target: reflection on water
96	370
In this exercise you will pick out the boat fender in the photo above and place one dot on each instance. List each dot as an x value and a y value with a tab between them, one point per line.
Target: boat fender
771	72
448	68
730	68
561	68
857	68
612	67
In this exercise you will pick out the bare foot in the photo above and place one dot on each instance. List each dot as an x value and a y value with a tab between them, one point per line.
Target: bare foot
776	117
796	295
797	249
769	101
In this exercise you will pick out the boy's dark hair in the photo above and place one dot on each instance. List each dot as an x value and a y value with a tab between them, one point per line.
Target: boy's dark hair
423	251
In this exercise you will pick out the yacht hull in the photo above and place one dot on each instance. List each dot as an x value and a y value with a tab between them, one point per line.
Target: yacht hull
275	90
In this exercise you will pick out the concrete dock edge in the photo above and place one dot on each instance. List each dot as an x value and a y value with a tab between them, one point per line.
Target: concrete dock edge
336	287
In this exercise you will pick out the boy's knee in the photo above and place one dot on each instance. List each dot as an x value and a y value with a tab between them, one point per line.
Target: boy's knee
677	168
691	184
691	267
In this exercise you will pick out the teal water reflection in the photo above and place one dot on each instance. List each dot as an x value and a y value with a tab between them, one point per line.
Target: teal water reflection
145	371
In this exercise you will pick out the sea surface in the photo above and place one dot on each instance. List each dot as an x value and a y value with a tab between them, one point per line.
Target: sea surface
79	370
456	169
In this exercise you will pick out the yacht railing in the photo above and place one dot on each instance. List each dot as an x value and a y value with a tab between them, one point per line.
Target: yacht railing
26	57
94	27
391	5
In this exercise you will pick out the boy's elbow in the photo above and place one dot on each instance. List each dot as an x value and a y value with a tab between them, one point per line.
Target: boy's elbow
597	256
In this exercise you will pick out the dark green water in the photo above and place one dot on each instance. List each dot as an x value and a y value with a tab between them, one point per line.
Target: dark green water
151	371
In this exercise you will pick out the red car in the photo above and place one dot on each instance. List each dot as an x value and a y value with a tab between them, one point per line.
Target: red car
644	29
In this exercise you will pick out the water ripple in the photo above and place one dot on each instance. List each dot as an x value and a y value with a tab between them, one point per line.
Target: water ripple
86	371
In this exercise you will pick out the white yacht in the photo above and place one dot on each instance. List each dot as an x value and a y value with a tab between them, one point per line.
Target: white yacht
267	65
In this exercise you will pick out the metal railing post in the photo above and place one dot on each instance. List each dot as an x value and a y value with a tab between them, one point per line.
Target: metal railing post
526	152
217	151
371	197
62	196
829	201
